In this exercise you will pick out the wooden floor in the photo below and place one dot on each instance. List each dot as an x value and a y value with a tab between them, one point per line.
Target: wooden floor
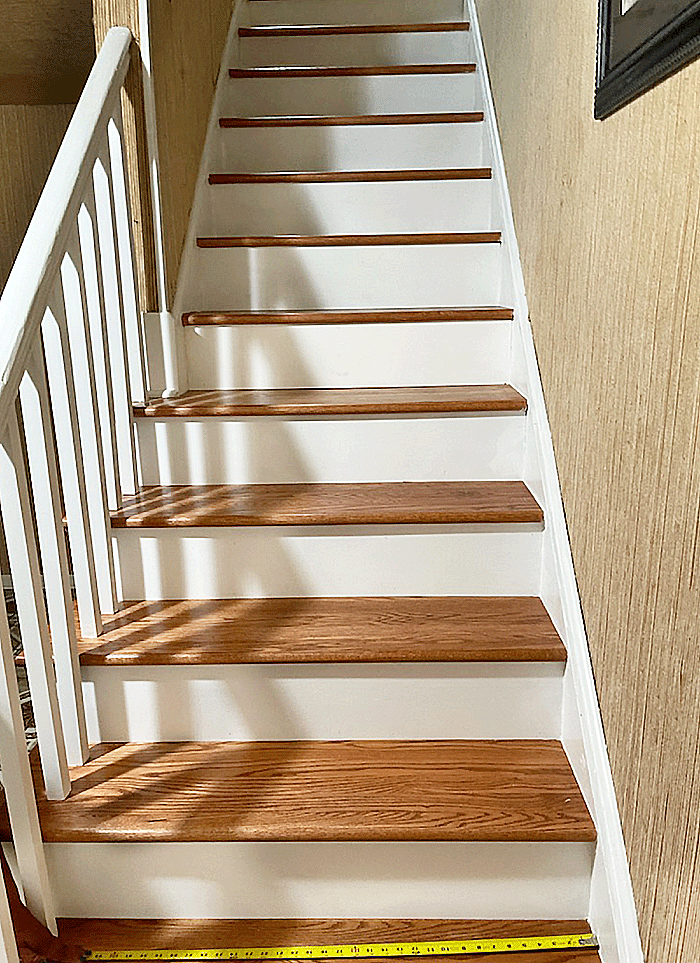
186	934
369	503
341	630
334	401
383	790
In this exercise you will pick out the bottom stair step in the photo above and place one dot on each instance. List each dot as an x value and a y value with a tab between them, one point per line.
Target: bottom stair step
180	934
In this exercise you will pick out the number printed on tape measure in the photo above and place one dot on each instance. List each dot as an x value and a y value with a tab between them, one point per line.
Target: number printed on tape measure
349	950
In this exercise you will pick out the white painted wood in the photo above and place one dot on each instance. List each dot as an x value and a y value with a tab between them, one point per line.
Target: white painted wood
54	557
357	50
612	909
357	11
59	371
97	325
355	208
347	277
312	880
33	273
116	332
125	245
215	451
283	702
18	787
79	337
283	561
368	147
408	94
26	580
348	355
8	941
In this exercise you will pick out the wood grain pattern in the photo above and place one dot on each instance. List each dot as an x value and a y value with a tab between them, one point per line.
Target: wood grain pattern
324	30
350	240
333	401
615	320
338	630
384	70
383	790
344	177
343	316
318	120
369	503
181	934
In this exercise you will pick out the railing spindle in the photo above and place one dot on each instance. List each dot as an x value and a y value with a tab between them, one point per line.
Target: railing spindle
114	306
89	423
88	240
8	941
19	788
59	370
31	609
54	557
132	309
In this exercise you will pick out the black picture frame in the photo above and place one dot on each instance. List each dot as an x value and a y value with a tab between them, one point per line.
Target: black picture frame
641	47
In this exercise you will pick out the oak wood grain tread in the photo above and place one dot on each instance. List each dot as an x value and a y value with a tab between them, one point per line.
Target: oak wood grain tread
351	240
250	402
383	790
337	30
351	177
343	316
181	934
368	503
326	630
353	120
383	70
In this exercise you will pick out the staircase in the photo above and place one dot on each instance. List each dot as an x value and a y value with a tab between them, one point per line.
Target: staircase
332	707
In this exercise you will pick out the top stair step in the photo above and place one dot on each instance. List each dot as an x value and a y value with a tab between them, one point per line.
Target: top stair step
384	70
184	934
395	316
334	30
317	12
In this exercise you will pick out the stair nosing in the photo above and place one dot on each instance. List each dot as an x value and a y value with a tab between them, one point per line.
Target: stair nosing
385	70
352	316
331	30
342	177
351	240
353	120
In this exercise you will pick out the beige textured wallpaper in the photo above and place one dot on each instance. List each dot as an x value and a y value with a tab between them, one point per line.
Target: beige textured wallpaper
608	217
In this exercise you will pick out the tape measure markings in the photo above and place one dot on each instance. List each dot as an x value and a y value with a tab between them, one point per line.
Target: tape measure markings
353	950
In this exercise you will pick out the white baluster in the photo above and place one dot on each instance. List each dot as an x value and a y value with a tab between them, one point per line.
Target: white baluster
54	557
29	598
19	791
96	316
132	308
59	369
114	306
89	423
8	942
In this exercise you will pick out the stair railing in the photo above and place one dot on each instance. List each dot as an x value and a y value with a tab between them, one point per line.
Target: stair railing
72	364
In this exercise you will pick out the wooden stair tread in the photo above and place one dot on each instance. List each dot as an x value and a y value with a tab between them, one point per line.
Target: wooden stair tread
344	316
383	70
383	790
350	240
347	177
349	120
181	934
368	503
333	401
333	30
326	630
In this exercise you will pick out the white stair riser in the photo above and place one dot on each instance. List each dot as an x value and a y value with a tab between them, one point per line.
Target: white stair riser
282	702
215	451
357	49
348	355
355	208
361	147
321	880
357	11
287	561
419	93
383	276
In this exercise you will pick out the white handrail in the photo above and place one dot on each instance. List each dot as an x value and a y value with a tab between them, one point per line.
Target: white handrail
35	268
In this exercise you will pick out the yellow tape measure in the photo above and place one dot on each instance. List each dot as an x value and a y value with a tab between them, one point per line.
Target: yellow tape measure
350	950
